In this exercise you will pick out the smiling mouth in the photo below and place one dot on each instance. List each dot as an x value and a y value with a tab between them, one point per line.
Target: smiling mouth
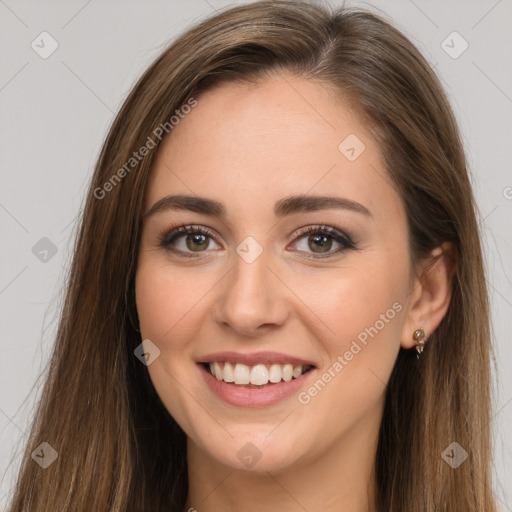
257	376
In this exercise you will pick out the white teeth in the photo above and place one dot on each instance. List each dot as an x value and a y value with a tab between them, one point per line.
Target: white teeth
229	373
258	375
242	374
287	372
275	373
217	371
296	372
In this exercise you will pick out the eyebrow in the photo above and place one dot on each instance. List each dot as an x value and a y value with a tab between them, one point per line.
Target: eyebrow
282	208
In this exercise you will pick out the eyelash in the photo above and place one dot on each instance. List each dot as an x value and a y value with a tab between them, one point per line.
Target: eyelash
167	237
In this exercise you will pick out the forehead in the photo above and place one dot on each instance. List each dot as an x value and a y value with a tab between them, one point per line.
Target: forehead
282	136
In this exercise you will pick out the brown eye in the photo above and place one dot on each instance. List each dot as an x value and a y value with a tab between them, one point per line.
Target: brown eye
196	240
320	243
319	240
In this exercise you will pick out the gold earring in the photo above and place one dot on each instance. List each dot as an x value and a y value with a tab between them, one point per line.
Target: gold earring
419	337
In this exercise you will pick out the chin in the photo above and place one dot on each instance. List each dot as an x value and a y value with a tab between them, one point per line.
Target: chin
255	452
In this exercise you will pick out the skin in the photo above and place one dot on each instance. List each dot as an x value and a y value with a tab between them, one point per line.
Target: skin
249	146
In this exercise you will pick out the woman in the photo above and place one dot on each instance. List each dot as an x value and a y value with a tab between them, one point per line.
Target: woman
277	299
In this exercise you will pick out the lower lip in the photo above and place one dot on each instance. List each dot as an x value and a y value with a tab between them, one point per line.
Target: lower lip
253	397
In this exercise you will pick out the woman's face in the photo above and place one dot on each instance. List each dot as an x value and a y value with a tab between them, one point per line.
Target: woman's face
261	288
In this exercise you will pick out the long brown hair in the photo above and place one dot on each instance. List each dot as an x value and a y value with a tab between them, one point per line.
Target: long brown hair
118	447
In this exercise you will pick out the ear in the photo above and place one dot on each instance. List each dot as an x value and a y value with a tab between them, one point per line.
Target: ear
430	293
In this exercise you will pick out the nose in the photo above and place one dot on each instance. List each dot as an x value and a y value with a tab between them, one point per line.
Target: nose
252	298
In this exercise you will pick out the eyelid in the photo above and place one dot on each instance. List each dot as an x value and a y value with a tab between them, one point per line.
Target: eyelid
169	234
321	228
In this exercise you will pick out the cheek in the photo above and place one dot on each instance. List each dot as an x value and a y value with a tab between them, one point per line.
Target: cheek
361	309
370	303
362	301
169	300
170	314
365	312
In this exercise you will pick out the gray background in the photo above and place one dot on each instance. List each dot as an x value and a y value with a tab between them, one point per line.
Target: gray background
55	113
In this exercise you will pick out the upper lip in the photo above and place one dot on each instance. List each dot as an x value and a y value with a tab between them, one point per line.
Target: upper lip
266	358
